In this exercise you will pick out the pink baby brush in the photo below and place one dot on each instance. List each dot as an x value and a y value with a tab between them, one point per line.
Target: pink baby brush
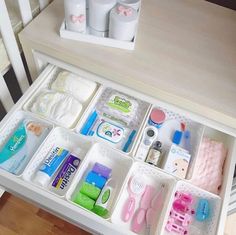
156	205
136	187
139	218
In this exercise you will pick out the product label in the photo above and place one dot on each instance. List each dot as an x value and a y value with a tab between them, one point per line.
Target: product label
120	103
51	157
66	174
110	132
53	161
14	144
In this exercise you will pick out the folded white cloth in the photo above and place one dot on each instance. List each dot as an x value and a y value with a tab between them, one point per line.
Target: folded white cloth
80	88
58	106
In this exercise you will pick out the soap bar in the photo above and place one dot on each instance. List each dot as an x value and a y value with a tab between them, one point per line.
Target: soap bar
102	170
90	190
95	179
22	144
84	201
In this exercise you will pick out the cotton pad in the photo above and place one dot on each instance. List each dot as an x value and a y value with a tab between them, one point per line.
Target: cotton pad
57	106
70	83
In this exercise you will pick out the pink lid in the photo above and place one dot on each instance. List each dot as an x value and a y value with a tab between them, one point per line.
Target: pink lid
157	116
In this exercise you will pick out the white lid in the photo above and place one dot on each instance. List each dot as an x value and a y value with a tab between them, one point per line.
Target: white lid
41	179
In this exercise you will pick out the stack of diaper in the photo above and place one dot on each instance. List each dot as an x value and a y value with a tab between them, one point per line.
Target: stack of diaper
208	169
65	101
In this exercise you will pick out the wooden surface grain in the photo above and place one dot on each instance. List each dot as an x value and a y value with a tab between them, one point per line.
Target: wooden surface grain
18	217
185	54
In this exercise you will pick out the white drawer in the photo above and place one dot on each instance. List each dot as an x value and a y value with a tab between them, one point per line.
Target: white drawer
85	219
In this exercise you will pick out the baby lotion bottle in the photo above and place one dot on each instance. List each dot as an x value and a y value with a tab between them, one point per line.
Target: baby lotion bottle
75	15
99	11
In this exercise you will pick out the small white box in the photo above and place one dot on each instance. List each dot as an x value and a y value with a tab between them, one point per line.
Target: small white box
105	41
177	161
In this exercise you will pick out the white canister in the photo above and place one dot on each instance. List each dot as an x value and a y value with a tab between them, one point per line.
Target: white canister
99	14
123	23
75	15
101	34
131	3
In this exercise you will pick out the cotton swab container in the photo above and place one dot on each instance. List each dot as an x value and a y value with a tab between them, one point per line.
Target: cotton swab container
123	23
99	14
75	15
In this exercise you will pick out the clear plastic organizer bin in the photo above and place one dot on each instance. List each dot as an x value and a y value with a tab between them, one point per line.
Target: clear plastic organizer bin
114	118
62	138
158	187
114	160
207	226
46	87
16	137
164	132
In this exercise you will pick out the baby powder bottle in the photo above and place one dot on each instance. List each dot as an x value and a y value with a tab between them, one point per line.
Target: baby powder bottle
75	15
123	23
99	16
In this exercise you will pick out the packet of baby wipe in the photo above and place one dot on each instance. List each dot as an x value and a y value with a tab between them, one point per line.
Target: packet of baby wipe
64	177
21	146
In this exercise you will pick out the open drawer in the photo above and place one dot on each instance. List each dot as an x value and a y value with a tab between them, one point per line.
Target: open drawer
119	160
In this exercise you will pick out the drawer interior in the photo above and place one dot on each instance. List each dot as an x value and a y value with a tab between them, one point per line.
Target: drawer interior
123	164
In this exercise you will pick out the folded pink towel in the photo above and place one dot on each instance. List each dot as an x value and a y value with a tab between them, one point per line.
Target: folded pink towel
208	168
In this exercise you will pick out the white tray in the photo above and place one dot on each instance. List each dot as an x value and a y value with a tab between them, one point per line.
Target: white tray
154	178
207	227
92	106
18	116
110	42
119	163
46	86
195	128
60	137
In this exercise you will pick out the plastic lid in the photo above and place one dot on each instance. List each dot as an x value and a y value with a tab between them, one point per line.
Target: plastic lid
157	116
41	179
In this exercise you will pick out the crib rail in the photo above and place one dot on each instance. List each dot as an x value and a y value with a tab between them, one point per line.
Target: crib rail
12	47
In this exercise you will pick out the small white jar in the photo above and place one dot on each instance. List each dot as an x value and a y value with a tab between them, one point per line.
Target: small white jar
131	3
99	14
75	15
123	23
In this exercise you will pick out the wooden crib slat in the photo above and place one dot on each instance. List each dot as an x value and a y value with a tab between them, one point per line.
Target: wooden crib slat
11	47
43	4
5	95
25	11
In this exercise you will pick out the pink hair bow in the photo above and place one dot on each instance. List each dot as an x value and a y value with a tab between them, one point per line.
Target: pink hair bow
124	11
80	18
